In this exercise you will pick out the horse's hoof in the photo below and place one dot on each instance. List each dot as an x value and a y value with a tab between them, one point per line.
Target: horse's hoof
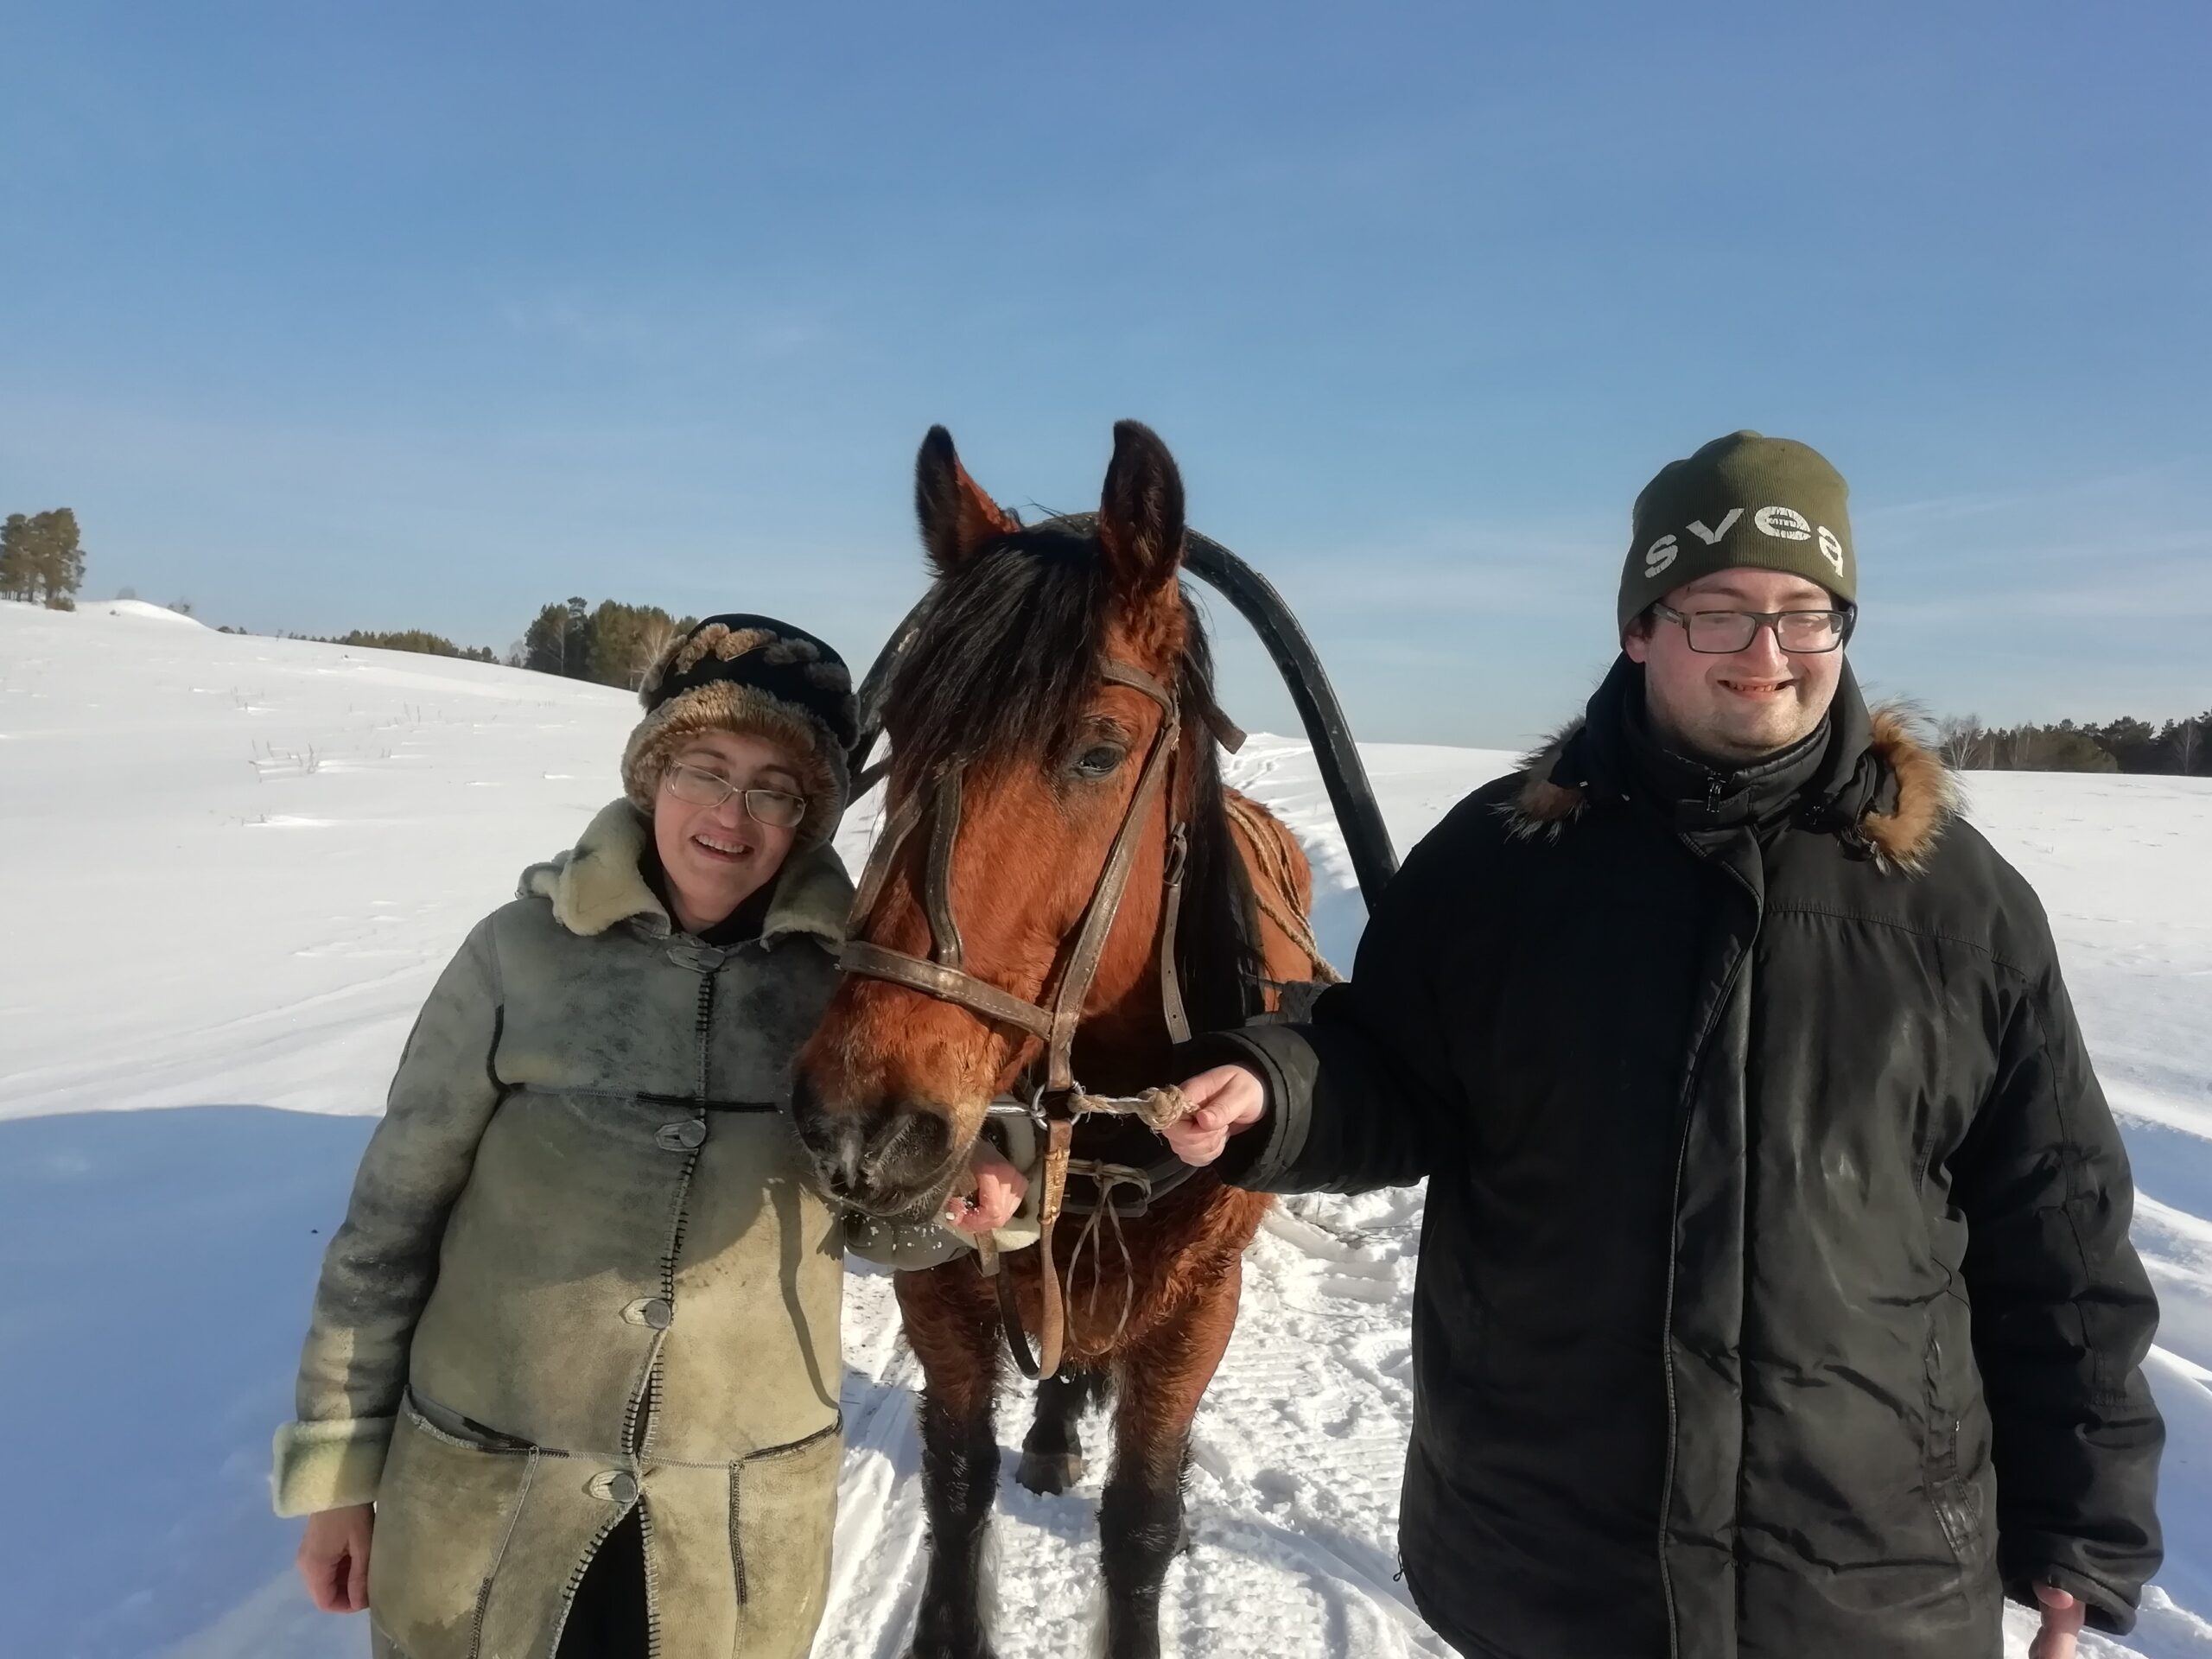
1050	1473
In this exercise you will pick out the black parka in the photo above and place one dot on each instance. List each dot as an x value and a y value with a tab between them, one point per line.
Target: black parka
1775	1297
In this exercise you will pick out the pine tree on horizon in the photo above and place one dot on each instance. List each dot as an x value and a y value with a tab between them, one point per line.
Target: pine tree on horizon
15	539
42	557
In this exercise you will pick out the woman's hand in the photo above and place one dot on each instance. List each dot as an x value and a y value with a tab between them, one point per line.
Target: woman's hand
334	1558
998	1187
1222	1101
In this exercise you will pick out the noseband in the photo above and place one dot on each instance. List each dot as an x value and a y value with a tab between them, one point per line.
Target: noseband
1056	1101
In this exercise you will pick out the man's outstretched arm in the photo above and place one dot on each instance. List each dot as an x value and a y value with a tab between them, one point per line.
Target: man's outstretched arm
1365	1095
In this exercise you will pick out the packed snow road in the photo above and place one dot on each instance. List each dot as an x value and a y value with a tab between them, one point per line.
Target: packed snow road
231	867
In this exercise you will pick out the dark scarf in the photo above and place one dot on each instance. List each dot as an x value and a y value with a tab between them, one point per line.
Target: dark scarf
741	925
1827	779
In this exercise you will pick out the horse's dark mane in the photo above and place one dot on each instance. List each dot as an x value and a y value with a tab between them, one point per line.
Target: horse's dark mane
1003	663
1001	672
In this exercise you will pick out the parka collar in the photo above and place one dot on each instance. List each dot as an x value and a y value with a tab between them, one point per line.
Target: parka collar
1690	795
598	883
1875	784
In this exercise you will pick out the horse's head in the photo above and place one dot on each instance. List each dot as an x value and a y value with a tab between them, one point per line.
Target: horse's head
1005	690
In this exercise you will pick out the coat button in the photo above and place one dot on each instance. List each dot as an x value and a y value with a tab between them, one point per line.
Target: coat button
650	1309
615	1485
685	1136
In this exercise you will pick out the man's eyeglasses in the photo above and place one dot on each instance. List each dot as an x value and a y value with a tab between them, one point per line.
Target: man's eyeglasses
1723	633
769	806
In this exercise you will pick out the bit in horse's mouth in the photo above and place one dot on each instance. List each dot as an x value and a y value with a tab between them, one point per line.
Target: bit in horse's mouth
914	1211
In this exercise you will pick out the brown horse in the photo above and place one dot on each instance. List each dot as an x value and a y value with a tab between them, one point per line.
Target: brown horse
1063	681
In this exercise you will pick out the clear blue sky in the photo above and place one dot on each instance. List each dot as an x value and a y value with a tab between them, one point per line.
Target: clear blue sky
408	316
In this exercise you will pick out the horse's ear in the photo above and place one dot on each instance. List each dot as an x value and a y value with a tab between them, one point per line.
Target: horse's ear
956	517
1140	514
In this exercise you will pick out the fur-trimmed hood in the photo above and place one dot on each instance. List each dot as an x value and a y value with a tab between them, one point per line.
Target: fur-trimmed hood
600	881
1901	810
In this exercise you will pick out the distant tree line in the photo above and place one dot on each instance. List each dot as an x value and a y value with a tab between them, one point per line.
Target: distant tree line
42	558
613	643
2179	747
430	644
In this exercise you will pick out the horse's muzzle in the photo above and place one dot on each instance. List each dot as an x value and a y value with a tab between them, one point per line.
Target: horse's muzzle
890	1161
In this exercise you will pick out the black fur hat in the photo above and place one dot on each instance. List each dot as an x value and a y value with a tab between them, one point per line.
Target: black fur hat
751	674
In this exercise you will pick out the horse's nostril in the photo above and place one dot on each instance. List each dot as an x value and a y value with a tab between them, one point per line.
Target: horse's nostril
881	1157
838	1154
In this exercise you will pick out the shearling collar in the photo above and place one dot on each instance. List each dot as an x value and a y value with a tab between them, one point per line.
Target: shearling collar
1895	796
598	883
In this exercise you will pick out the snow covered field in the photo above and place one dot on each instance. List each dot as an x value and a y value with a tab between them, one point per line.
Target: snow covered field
229	868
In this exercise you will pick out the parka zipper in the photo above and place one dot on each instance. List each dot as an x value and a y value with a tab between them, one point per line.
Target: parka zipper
1686	1106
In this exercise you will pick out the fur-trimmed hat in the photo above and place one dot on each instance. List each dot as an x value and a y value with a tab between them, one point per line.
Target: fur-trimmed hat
750	674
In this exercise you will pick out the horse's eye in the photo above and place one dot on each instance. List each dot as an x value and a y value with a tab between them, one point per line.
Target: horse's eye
1100	761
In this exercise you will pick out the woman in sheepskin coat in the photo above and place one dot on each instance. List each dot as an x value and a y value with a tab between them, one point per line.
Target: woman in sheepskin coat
571	1385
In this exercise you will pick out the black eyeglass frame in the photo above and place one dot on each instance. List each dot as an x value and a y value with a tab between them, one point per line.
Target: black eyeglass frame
1846	619
729	789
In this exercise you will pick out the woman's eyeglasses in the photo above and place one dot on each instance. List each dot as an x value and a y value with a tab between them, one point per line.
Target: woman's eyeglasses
773	807
1723	633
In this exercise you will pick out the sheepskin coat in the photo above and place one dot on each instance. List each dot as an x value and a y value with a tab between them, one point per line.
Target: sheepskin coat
579	1277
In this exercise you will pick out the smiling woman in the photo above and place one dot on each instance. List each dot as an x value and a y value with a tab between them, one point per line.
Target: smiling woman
578	1239
729	805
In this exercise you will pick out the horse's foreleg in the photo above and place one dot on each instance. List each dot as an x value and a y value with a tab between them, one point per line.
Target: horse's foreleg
1162	1379
1052	1455
955	1334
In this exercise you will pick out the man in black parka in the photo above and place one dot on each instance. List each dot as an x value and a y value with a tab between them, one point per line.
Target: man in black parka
1775	1297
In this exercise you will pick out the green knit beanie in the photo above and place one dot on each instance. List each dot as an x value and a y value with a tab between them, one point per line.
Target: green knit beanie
1741	502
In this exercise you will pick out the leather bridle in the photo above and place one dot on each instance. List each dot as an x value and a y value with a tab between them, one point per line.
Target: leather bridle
1056	1100
943	974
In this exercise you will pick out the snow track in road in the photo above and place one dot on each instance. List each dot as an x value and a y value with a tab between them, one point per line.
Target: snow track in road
1294	1486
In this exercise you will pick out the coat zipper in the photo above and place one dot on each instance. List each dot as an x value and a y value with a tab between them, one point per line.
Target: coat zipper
652	1583
706	1029
644	1415
1687	1107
